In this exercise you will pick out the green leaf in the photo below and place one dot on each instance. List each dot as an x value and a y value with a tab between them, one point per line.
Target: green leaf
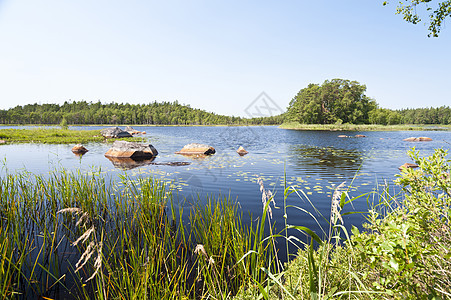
394	264
355	230
308	231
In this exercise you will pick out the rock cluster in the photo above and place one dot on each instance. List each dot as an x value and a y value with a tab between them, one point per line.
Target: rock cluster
115	132
133	131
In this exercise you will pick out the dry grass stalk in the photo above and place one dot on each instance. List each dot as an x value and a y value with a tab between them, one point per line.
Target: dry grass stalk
97	262
266	196
336	202
85	256
70	210
93	245
200	250
84	236
83	218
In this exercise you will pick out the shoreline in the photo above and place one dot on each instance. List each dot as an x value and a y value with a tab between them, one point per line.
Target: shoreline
364	127
140	125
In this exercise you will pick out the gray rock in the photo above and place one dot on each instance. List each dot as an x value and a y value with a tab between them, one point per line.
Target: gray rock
133	131
114	132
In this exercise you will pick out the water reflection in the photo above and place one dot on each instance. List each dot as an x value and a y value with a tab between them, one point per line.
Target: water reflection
325	159
129	163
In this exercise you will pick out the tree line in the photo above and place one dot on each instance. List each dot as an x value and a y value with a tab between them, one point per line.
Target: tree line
439	115
340	101
155	113
335	101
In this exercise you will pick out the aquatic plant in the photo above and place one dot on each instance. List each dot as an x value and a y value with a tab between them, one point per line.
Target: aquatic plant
74	235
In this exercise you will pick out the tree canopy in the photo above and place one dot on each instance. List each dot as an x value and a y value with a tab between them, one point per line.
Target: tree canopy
155	113
335	101
411	10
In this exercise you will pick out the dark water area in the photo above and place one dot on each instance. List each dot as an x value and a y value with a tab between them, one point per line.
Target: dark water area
313	162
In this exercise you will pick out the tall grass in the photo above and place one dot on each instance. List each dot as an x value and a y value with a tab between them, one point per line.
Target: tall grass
74	235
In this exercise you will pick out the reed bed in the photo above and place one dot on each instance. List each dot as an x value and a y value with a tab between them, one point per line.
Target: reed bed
86	236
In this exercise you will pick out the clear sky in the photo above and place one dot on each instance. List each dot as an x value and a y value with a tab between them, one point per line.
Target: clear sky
215	55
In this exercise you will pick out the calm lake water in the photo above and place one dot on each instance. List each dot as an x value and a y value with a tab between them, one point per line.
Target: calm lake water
314	162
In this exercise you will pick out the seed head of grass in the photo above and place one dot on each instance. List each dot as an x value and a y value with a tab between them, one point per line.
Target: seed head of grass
266	196
200	250
335	212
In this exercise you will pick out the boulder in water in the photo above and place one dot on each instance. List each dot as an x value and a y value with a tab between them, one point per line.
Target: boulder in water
131	150
114	132
418	139
241	151
196	149
79	149
133	131
408	165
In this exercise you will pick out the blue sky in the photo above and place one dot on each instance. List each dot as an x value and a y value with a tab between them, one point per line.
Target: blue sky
215	55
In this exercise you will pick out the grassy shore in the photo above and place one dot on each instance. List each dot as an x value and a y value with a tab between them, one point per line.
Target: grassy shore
361	127
52	136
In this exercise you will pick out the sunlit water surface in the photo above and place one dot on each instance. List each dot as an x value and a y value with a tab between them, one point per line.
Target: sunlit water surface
313	162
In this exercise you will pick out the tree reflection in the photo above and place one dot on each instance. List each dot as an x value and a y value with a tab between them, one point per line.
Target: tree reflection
325	160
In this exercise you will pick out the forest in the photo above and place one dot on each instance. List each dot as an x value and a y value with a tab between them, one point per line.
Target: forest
155	113
336	101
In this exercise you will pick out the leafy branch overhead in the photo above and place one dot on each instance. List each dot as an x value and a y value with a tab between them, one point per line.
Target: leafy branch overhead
411	10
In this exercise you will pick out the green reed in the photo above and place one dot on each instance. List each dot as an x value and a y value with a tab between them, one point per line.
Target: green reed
87	236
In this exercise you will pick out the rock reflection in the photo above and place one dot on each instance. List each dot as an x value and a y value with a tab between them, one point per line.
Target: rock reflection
129	163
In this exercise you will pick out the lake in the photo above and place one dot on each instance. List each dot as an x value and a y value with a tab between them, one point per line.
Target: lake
313	162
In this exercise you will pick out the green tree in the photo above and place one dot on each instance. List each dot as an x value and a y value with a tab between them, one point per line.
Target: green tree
411	10
335	101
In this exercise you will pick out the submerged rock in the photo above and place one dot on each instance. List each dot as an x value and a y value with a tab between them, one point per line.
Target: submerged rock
131	150
241	151
79	149
408	165
196	149
418	139
115	132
